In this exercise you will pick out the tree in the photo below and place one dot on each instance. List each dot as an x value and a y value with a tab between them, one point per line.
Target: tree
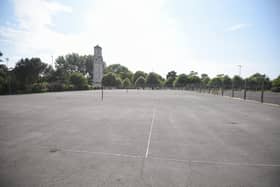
216	82
171	74
60	63
237	82
153	80
140	82
78	80
62	70
28	71
169	82
73	62
193	73
193	78
138	74
88	62
126	83
181	81
119	83
120	71
170	78
3	79
110	80
48	74
161	79
1	54
204	79
276	84
227	82
70	63
220	81
40	87
255	81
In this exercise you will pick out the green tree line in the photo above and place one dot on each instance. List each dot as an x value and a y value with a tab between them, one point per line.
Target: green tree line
74	72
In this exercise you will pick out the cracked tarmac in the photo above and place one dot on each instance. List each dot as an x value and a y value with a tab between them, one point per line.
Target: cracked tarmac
137	138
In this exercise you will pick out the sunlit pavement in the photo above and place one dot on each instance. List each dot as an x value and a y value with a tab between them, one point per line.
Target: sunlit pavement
137	138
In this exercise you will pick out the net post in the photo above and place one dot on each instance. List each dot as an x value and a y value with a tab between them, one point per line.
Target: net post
101	92
262	92
223	88
232	89
245	90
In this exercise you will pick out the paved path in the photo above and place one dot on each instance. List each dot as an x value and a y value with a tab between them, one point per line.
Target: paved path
139	138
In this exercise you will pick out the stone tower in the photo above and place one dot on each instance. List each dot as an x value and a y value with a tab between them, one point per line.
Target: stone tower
98	66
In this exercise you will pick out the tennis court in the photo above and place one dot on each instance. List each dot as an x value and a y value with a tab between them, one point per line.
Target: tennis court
137	138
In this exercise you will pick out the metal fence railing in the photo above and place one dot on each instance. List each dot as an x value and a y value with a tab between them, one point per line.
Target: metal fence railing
260	94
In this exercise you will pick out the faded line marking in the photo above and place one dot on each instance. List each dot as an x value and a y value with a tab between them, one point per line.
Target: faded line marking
216	162
168	159
150	133
96	152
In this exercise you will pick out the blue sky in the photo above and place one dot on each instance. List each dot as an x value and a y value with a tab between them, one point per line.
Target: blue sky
210	36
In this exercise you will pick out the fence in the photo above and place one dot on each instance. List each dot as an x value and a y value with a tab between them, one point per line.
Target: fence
239	91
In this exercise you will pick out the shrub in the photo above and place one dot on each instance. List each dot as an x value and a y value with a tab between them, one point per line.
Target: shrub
39	87
276	84
119	83
153	80
56	86
78	81
181	81
140	82
126	83
70	87
169	82
110	80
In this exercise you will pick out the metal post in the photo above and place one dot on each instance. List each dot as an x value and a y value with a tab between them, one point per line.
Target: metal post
239	66
223	88
245	90
9	78
9	82
262	90
102	92
216	92
52	62
232	89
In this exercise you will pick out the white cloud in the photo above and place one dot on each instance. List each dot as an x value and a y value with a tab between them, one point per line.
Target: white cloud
138	34
36	14
141	35
237	27
33	35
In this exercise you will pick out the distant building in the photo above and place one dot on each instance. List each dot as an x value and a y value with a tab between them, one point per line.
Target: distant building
98	66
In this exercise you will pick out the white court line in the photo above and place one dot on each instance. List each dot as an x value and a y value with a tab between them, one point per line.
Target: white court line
168	159
150	134
94	152
216	162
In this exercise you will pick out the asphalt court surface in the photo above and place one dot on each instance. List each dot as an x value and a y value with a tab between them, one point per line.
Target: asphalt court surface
137	138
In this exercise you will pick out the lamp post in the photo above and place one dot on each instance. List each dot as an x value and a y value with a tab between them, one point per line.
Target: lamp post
52	62
240	66
239	72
